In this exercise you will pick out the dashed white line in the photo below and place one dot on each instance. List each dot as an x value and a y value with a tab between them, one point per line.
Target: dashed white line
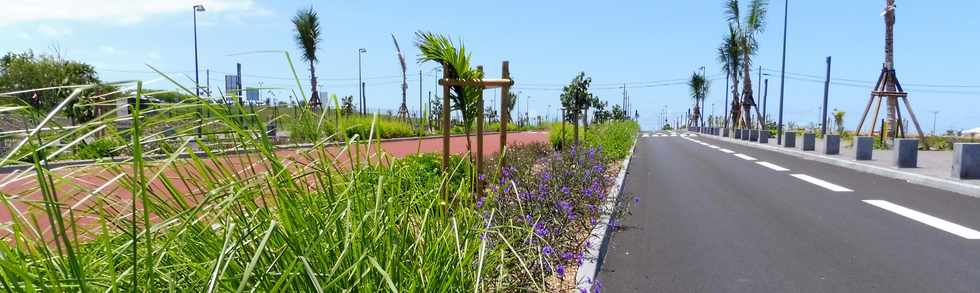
745	157
822	183
926	219
772	166
713	146
727	151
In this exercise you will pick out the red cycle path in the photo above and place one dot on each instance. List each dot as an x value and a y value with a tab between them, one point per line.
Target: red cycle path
76	185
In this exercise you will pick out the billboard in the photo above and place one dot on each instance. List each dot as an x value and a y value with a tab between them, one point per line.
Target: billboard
252	95
232	85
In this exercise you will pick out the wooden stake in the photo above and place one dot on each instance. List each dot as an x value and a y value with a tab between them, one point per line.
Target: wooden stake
479	140
504	114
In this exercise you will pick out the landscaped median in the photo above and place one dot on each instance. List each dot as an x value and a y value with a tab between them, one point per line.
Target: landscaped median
266	223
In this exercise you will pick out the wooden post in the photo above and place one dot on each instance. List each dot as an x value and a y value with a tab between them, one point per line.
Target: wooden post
445	120
562	144
479	140
504	114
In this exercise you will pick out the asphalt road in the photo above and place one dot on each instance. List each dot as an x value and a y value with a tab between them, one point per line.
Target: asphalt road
719	217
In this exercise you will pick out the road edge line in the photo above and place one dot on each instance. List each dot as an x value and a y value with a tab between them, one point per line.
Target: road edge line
917	179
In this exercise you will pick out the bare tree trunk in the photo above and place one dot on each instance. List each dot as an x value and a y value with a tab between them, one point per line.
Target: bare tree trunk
735	107
892	102
575	128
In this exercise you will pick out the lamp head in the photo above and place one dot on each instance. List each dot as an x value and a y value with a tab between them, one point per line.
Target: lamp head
199	8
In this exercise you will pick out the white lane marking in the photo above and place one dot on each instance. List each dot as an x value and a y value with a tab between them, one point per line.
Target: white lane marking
821	183
714	147
920	217
727	151
772	166
744	157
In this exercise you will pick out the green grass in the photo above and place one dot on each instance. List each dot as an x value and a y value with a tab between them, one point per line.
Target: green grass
614	137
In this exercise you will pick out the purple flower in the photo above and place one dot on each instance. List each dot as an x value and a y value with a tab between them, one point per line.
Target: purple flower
540	230
479	202
564	205
566	256
560	270
547	250
565	190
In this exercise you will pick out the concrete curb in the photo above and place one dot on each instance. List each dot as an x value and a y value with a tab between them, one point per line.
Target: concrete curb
918	179
599	237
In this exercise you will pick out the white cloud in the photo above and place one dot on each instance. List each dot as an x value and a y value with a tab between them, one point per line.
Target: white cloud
153	55
112	11
53	31
108	50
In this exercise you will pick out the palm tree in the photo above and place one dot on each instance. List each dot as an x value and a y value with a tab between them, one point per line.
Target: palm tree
729	55
438	48
403	109
308	37
892	102
699	90
747	30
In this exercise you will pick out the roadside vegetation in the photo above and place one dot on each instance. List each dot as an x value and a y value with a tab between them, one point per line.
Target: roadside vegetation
200	200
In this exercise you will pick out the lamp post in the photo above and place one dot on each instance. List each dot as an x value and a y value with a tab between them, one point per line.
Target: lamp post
197	75
782	82
705	76
360	82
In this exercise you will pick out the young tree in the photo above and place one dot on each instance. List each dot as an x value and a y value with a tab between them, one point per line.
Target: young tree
438	48
308	37
403	109
575	98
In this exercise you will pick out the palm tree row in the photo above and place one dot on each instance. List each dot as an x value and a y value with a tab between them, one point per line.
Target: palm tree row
735	54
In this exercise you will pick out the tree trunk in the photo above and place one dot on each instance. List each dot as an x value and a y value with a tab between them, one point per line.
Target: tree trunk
892	102
575	129
315	97
747	100
735	106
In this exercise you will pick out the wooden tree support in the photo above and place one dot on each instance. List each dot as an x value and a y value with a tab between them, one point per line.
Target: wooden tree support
882	94
504	84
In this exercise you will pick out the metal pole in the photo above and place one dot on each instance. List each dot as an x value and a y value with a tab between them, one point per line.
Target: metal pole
728	77
782	82
420	98
360	81
826	93
197	80
765	102
934	114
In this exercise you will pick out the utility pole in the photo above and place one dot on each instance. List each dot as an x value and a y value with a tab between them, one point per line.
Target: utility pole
826	94
728	77
765	102
361	81
934	115
420	98
782	83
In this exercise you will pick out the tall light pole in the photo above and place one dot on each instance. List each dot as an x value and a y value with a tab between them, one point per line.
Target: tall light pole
934	115
705	76
782	82
360	82
197	75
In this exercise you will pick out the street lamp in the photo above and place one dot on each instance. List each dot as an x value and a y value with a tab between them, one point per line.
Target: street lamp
782	82
197	75
360	83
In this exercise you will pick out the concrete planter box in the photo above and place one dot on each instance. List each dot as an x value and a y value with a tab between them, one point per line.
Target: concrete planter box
790	139
906	152
764	136
863	147
724	132
754	135
746	134
832	146
966	160
809	141
738	133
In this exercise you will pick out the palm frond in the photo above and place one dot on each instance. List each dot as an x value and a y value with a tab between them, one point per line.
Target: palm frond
307	24
732	12
756	20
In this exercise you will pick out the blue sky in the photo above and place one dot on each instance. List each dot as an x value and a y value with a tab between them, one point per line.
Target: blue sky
639	43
